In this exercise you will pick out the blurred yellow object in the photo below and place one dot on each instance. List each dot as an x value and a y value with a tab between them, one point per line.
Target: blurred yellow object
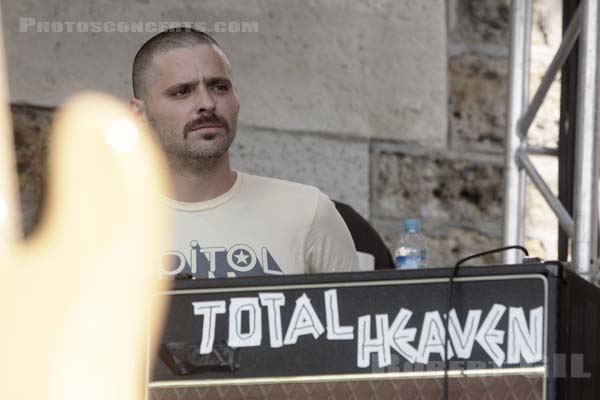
74	297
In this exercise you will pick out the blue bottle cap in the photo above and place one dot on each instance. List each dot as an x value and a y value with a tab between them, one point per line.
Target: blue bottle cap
412	224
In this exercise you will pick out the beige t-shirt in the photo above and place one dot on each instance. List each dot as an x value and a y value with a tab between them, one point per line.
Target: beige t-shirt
261	226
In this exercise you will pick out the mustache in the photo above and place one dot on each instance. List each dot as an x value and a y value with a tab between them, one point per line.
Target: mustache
202	120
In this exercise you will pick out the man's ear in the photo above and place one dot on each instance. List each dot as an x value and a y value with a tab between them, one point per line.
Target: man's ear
138	107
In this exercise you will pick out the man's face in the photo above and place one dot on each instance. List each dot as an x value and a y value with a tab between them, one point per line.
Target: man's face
191	103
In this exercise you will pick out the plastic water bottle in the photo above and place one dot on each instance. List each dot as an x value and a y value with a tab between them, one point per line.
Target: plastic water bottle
411	252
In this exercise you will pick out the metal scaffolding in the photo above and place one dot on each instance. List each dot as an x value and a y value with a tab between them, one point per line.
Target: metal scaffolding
582	227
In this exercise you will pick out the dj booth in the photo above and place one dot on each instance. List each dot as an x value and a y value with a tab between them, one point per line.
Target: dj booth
521	331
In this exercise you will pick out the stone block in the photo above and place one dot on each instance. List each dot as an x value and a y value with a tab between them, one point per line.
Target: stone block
541	225
477	22
477	101
546	24
546	38
459	190
31	127
338	166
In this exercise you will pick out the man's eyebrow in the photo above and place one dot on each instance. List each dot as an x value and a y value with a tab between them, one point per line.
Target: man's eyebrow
182	85
211	80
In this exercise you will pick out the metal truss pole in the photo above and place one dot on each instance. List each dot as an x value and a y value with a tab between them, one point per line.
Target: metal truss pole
584	242
518	78
583	227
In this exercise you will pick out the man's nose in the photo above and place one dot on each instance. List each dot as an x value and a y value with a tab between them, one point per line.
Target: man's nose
205	101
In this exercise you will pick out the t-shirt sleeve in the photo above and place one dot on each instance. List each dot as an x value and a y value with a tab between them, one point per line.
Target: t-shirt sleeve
329	244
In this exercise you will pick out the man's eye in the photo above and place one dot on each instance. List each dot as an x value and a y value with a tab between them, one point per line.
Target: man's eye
180	92
221	87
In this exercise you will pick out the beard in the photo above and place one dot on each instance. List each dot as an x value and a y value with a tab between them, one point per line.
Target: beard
199	155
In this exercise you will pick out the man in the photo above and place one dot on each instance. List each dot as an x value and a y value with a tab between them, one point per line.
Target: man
227	223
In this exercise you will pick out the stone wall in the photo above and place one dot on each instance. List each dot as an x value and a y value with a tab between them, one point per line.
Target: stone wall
366	68
457	191
401	161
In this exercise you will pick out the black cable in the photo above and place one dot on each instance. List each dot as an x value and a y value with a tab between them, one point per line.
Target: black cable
450	287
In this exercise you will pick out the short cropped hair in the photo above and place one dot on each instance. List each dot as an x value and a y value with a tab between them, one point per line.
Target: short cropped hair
170	39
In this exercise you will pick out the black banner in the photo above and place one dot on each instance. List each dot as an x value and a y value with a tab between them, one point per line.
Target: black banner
283	330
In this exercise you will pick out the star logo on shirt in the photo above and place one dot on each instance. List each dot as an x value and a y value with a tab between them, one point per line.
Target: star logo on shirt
242	257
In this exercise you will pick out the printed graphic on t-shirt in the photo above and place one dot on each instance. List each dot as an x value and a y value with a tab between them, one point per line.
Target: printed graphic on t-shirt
220	262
